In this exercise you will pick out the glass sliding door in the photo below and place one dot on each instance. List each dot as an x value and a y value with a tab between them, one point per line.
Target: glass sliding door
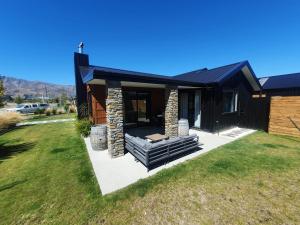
137	108
197	112
143	103
184	105
130	108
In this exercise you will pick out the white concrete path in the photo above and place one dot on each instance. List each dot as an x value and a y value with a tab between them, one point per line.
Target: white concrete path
44	121
114	174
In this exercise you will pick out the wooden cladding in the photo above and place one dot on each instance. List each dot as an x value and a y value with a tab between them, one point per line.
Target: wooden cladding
285	116
98	96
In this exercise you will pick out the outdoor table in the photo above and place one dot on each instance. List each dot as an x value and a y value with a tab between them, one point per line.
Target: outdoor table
156	137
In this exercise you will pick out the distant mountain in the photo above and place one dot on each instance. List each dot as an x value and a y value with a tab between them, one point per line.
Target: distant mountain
14	87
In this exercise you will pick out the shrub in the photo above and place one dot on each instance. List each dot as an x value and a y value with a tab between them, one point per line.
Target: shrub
19	100
9	119
72	109
83	111
54	111
60	111
39	111
66	107
48	112
84	127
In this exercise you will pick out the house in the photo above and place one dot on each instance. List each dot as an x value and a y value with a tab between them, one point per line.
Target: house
211	99
281	85
283	99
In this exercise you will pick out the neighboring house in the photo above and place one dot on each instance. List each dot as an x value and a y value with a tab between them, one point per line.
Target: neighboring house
281	85
211	99
283	97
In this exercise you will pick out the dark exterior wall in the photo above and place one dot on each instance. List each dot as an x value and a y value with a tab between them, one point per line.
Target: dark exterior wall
251	112
81	88
226	120
282	92
208	109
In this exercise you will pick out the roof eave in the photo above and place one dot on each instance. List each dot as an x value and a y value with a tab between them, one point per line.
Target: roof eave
239	67
97	74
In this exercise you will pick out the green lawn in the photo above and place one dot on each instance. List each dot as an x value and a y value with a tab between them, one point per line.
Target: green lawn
31	118
46	178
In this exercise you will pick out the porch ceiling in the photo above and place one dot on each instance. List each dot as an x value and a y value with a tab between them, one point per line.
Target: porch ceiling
138	84
129	84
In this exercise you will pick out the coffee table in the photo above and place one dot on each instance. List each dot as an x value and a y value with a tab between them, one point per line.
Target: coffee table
156	137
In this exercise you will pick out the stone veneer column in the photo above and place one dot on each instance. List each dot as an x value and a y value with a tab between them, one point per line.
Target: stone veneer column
171	111
114	117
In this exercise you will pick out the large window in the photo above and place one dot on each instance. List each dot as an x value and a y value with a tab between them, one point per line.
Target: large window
230	98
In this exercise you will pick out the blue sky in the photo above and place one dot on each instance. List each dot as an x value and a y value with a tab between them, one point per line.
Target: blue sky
167	37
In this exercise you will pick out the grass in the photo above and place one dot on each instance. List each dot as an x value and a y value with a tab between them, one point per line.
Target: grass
46	177
32	118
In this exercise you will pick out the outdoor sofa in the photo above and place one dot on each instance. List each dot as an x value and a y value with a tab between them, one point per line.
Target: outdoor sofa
153	153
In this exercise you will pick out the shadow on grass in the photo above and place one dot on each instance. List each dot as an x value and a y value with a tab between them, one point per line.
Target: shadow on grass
274	146
290	138
58	150
10	148
11	185
9	129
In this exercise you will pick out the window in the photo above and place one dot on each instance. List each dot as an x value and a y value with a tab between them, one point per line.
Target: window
230	101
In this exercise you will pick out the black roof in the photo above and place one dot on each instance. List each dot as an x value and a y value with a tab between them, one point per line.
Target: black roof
214	75
100	72
202	77
281	81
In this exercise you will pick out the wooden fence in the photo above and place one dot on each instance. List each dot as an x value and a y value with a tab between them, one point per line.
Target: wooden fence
285	116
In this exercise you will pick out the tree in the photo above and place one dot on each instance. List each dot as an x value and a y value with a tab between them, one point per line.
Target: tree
63	99
1	93
18	99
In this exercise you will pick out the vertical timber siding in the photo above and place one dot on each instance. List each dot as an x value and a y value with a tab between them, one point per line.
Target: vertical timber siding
98	93
285	116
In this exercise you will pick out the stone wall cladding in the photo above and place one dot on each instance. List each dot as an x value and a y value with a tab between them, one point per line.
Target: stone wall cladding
114	113
171	111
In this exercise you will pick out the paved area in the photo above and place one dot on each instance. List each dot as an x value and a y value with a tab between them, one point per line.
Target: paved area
44	121
114	174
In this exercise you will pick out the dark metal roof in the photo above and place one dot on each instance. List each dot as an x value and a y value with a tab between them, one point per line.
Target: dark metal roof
281	81
200	78
214	75
98	72
128	72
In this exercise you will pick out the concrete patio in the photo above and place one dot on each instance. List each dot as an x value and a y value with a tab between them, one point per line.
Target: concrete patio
117	173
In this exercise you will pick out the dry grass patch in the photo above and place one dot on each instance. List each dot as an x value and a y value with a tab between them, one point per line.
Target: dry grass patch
9	119
259	199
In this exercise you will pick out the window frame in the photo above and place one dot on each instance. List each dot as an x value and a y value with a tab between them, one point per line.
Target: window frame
235	100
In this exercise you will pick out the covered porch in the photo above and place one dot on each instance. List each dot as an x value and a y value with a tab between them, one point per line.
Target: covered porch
126	105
